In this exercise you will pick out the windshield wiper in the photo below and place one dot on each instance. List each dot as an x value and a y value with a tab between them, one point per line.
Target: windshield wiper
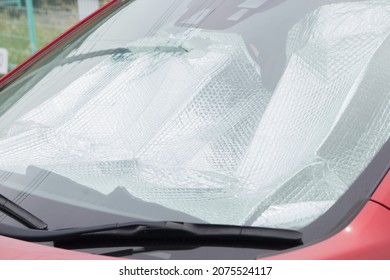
20	214
125	234
119	51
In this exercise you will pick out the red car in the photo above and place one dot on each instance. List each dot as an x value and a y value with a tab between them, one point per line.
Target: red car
199	129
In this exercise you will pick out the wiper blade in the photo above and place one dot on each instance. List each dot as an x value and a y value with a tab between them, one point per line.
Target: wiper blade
133	232
120	51
20	214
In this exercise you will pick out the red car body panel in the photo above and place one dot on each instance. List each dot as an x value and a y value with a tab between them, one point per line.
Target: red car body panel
12	249
366	237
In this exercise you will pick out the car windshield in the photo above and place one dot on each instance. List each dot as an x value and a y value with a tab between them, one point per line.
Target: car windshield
253	112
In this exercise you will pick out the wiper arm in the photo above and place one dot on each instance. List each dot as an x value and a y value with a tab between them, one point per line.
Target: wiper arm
125	234
20	214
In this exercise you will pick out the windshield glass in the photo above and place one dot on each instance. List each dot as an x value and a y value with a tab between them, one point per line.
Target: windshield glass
239	112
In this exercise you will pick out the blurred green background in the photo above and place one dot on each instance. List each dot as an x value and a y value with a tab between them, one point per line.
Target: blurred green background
28	25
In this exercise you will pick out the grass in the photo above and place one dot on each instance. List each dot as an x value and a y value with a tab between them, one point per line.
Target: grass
14	31
50	22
